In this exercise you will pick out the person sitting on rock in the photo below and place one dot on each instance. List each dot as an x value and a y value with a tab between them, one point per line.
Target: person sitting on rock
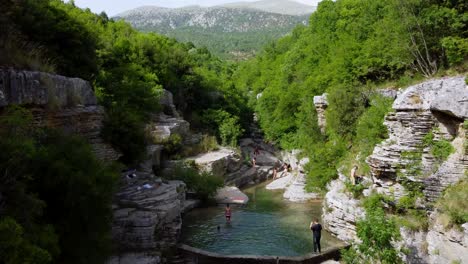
256	151
353	174
254	162
275	173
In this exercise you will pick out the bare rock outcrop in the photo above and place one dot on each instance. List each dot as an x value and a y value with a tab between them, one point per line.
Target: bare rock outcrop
167	122
58	102
147	218
437	245
437	106
341	211
321	104
220	162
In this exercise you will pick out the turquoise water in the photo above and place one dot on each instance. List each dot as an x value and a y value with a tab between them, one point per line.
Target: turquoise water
268	226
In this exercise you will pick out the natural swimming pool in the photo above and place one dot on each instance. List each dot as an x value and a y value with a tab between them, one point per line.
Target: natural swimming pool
268	225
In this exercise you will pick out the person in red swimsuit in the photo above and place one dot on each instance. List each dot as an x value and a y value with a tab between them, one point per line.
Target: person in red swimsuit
227	213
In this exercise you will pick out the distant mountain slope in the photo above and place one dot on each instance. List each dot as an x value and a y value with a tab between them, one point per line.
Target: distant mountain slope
233	32
284	7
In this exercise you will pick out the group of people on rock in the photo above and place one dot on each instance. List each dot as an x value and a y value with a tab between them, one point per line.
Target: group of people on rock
276	169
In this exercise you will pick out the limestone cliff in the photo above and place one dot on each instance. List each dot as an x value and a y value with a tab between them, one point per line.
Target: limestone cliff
439	107
59	102
147	211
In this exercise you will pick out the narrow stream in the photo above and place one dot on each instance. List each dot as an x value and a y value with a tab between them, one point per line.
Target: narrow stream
268	225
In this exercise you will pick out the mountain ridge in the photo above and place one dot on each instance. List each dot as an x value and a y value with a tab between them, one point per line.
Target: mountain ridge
283	7
229	32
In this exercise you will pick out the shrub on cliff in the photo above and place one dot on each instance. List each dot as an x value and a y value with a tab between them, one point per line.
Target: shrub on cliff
454	204
377	232
56	192
224	124
204	184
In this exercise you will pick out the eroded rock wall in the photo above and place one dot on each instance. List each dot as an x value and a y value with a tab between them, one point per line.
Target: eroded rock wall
341	211
439	107
58	102
321	104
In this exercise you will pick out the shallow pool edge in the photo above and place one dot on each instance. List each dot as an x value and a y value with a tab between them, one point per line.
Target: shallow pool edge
197	255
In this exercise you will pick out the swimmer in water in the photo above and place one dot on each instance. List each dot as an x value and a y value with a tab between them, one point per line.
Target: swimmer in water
227	213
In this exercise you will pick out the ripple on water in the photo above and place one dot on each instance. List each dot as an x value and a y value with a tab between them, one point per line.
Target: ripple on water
268	225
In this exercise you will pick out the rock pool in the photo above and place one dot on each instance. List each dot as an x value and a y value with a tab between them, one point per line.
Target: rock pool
268	225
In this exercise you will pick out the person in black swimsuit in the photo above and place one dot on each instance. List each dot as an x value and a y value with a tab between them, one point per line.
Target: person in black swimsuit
317	233
227	213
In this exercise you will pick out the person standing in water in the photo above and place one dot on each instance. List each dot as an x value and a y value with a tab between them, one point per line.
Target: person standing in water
317	233
227	213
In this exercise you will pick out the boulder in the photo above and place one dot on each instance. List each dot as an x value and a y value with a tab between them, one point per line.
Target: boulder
243	177
292	158
219	162
266	155
446	245
231	195
446	94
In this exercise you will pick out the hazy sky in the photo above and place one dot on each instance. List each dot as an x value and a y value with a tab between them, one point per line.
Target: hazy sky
113	7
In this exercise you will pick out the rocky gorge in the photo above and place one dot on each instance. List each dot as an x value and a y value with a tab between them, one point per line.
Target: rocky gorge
148	210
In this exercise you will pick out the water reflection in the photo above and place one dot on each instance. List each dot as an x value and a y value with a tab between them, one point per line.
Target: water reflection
268	225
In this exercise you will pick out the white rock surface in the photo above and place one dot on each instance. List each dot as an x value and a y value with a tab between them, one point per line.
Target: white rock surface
341	211
220	162
321	104
231	195
281	183
296	192
436	106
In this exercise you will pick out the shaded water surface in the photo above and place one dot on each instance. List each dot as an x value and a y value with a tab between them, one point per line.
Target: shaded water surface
268	226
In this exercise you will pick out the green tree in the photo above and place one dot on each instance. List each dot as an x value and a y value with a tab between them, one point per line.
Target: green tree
377	232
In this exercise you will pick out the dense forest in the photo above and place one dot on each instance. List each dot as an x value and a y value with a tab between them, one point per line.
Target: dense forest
128	71
349	48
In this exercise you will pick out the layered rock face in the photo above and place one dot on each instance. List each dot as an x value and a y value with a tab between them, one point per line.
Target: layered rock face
58	102
441	107
147	219
147	211
321	104
437	106
437	245
341	211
